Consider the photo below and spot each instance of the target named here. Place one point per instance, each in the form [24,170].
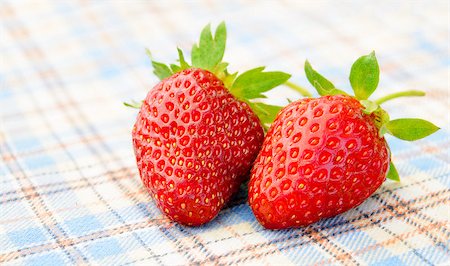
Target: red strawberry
[195,137]
[321,157]
[194,144]
[324,156]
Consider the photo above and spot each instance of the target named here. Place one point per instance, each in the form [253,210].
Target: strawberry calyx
[364,78]
[248,87]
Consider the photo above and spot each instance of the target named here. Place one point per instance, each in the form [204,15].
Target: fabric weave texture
[70,193]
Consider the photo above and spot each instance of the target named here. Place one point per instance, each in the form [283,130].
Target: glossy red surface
[194,144]
[321,157]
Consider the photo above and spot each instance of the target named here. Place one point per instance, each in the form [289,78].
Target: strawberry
[198,130]
[324,156]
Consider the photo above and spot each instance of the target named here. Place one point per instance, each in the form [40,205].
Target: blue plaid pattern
[69,188]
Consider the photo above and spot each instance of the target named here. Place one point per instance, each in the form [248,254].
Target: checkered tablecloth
[69,188]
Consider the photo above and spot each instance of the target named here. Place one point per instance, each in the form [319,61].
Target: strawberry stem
[301,90]
[399,94]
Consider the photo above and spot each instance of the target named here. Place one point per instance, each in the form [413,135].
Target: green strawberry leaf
[380,119]
[175,68]
[161,70]
[221,72]
[252,83]
[183,63]
[322,85]
[221,67]
[410,128]
[329,92]
[383,130]
[133,104]
[369,106]
[265,112]
[364,76]
[228,79]
[392,173]
[208,54]
[210,50]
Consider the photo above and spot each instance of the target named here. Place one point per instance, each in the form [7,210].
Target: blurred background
[68,169]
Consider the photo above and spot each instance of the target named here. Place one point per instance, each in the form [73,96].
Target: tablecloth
[70,192]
